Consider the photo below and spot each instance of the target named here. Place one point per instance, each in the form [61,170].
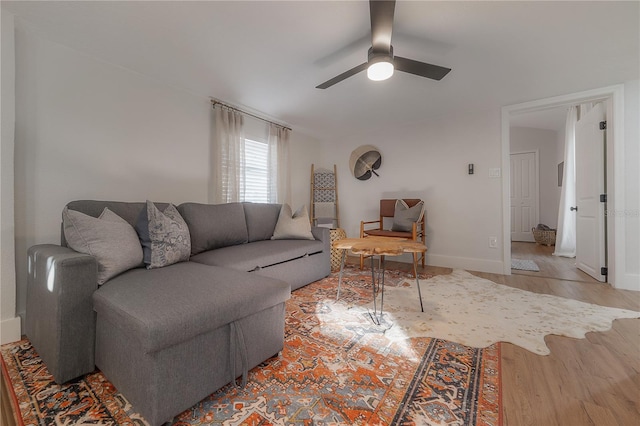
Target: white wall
[304,151]
[89,130]
[9,323]
[428,160]
[543,141]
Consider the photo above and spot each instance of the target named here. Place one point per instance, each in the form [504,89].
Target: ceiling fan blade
[381,24]
[343,76]
[422,69]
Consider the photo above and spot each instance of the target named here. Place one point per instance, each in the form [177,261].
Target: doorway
[537,146]
[612,96]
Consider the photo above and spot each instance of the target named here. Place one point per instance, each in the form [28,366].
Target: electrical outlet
[493,242]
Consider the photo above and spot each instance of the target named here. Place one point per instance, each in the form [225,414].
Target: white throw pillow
[293,226]
[109,238]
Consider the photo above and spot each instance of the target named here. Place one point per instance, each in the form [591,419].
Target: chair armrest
[60,321]
[363,223]
[321,233]
[417,230]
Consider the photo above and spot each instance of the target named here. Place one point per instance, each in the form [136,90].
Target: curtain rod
[215,102]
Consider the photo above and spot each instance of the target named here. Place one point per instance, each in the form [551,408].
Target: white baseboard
[627,282]
[468,263]
[10,330]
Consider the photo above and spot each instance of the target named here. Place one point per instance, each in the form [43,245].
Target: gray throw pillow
[164,236]
[109,238]
[293,226]
[404,216]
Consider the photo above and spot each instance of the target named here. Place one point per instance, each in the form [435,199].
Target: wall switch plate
[494,172]
[493,242]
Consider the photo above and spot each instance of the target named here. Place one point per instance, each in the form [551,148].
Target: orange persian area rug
[329,373]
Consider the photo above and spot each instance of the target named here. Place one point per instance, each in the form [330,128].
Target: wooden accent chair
[387,210]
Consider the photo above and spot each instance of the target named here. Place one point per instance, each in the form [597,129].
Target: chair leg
[361,262]
[415,262]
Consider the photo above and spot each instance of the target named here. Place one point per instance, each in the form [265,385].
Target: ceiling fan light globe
[379,71]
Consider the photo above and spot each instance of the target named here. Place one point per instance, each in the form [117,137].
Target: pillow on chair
[404,216]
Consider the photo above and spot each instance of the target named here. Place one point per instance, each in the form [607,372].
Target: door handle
[573,208]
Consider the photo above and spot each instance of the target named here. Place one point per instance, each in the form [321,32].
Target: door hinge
[604,271]
[603,198]
[603,125]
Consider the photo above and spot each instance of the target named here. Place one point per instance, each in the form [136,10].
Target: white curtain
[227,162]
[566,234]
[279,168]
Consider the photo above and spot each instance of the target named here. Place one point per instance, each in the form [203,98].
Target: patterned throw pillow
[293,226]
[164,236]
[404,216]
[108,238]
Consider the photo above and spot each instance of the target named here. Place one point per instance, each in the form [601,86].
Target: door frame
[613,96]
[536,157]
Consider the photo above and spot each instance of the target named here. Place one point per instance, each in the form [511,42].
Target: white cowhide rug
[473,311]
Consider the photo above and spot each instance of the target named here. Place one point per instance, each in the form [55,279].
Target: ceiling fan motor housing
[379,56]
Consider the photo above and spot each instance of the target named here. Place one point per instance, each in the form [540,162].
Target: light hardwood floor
[592,381]
[550,266]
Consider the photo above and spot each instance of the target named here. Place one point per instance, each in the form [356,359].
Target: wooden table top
[380,246]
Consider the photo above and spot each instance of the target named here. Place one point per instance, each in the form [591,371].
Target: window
[250,162]
[256,171]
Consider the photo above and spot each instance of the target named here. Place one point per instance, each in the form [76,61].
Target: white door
[524,196]
[590,184]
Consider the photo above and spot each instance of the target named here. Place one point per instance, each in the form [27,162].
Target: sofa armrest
[60,321]
[322,234]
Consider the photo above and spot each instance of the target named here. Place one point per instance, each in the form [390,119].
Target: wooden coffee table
[381,247]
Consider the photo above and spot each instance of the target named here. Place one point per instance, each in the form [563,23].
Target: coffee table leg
[377,285]
[415,272]
[373,288]
[344,253]
[381,270]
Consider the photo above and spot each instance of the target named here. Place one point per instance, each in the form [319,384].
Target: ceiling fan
[381,61]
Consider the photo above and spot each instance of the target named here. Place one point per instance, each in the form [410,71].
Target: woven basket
[336,254]
[547,238]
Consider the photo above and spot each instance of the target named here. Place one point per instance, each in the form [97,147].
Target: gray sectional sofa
[168,337]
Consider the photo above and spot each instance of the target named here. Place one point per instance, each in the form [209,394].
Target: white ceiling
[269,56]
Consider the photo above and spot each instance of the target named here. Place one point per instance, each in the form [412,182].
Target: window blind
[256,171]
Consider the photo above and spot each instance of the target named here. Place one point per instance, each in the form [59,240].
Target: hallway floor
[562,268]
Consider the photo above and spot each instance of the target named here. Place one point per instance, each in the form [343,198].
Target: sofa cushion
[214,225]
[259,254]
[167,306]
[261,220]
[164,236]
[109,238]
